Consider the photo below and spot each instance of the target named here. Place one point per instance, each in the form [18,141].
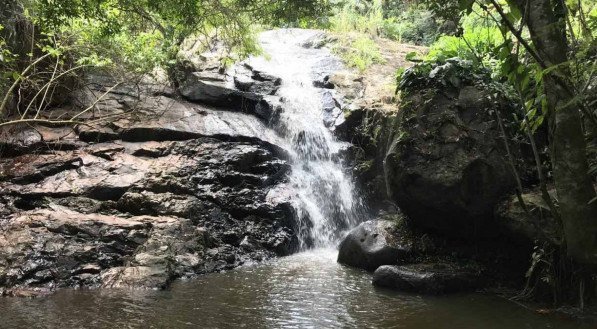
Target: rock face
[177,190]
[436,278]
[169,187]
[440,158]
[241,87]
[375,243]
[446,168]
[536,225]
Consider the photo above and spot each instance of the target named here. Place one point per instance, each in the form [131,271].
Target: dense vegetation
[542,54]
[45,45]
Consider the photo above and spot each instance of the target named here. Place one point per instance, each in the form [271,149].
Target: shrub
[396,20]
[362,53]
[415,25]
[478,42]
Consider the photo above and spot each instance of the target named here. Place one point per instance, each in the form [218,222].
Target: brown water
[308,290]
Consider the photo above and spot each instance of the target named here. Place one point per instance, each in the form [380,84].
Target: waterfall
[326,202]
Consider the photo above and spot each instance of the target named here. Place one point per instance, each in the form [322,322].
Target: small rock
[246,244]
[374,243]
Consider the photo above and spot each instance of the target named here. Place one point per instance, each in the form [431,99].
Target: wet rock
[445,166]
[436,278]
[49,248]
[19,140]
[250,80]
[375,243]
[136,277]
[140,214]
[147,202]
[324,83]
[169,252]
[536,225]
[198,87]
[349,83]
[268,109]
[240,88]
[165,189]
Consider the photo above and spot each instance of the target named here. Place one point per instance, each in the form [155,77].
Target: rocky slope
[192,191]
[177,183]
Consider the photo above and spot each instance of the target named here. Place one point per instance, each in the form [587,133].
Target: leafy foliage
[415,24]
[362,53]
[66,38]
[395,20]
[149,32]
[452,73]
[480,37]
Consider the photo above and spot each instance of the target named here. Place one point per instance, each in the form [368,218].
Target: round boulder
[375,243]
[446,166]
[433,279]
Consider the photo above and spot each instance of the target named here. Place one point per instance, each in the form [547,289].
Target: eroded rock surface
[139,214]
[166,189]
[176,183]
[446,168]
[441,158]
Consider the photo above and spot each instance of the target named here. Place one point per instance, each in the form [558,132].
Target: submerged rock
[437,278]
[375,243]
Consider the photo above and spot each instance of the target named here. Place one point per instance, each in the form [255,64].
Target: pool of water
[307,290]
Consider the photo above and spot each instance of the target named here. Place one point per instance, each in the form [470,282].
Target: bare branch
[16,83]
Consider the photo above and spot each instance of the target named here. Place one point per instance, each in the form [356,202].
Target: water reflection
[308,290]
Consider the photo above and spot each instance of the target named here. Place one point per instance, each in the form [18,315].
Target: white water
[326,200]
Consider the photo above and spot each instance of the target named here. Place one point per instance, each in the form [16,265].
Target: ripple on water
[308,290]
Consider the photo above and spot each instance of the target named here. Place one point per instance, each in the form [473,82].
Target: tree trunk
[567,143]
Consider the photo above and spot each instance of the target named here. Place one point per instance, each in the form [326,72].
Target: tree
[547,27]
[546,21]
[66,38]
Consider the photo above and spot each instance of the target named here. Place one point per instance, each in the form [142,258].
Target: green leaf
[412,57]
[524,85]
[466,5]
[515,13]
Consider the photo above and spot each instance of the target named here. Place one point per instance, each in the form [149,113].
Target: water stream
[326,201]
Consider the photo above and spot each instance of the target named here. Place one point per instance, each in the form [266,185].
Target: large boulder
[205,80]
[435,278]
[440,157]
[446,166]
[218,90]
[376,243]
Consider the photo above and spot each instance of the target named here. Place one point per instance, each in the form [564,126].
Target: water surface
[307,290]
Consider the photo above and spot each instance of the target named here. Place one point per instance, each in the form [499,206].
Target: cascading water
[326,203]
[305,290]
